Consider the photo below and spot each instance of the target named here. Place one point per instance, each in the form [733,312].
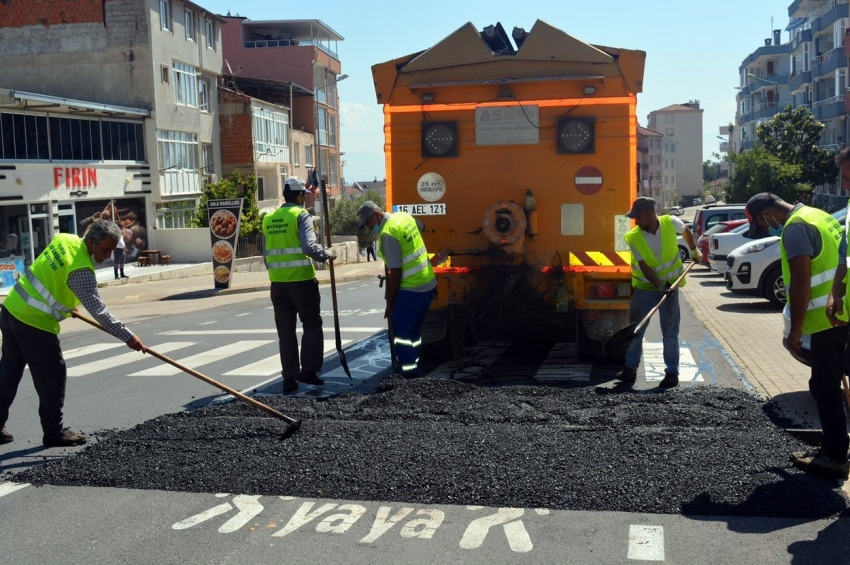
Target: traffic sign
[588,180]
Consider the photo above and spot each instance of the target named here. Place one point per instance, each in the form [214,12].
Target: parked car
[756,268]
[721,244]
[677,211]
[718,228]
[711,215]
[684,250]
[709,200]
[697,201]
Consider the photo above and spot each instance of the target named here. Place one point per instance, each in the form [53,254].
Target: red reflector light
[610,290]
[716,245]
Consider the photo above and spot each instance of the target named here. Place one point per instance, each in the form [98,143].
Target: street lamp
[318,167]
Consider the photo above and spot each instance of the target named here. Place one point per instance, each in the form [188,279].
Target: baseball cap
[294,184]
[642,204]
[755,206]
[365,212]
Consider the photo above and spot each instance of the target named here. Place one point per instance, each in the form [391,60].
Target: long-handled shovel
[294,425]
[390,332]
[623,337]
[327,226]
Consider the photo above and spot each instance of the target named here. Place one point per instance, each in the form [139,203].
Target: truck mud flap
[595,329]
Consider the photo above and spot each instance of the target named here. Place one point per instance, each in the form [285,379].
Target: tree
[758,170]
[709,173]
[344,219]
[234,186]
[792,136]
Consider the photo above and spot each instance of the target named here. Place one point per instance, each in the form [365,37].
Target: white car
[709,200]
[677,211]
[721,244]
[756,268]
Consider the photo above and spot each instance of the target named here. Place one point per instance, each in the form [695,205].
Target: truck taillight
[714,244]
[610,290]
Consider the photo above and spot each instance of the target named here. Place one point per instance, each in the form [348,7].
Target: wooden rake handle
[196,374]
[663,298]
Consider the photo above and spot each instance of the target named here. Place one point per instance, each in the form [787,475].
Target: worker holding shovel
[60,279]
[656,270]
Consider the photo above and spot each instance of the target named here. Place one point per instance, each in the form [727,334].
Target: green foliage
[234,186]
[344,219]
[760,171]
[708,171]
[792,136]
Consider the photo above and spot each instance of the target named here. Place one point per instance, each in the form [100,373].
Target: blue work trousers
[642,302]
[409,312]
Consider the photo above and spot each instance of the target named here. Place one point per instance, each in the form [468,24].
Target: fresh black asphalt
[700,451]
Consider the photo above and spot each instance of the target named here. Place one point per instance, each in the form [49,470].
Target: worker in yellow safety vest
[809,246]
[656,263]
[290,243]
[61,278]
[410,280]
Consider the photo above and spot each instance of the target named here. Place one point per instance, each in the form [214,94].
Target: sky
[693,49]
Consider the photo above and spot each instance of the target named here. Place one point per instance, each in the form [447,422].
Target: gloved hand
[696,256]
[665,289]
[331,254]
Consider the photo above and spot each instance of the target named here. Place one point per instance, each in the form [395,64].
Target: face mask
[377,229]
[93,260]
[775,231]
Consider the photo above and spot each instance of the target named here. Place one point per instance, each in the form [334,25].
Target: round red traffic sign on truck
[588,180]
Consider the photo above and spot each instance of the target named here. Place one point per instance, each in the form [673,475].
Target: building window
[308,155]
[175,214]
[669,118]
[207,165]
[331,89]
[51,138]
[165,14]
[322,125]
[332,130]
[189,20]
[210,33]
[296,153]
[178,150]
[185,84]
[669,132]
[271,135]
[261,188]
[334,170]
[204,95]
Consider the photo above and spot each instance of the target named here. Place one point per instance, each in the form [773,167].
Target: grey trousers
[301,299]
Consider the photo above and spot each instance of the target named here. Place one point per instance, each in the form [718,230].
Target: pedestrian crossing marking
[474,363]
[89,349]
[562,364]
[259,331]
[130,357]
[654,366]
[271,365]
[204,358]
[10,487]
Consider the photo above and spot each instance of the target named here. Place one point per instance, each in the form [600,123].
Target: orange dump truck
[520,158]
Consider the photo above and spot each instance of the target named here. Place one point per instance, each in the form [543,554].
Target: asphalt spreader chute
[294,425]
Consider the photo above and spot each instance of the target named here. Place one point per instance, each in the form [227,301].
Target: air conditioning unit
[211,178]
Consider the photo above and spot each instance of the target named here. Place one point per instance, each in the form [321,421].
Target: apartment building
[650,182]
[292,63]
[809,70]
[681,126]
[105,106]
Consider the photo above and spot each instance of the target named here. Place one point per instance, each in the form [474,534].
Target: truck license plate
[436,209]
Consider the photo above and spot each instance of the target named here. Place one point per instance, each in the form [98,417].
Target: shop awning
[11,97]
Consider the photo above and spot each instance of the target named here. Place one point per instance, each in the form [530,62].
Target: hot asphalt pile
[700,451]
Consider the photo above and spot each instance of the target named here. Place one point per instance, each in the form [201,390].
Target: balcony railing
[833,147]
[288,43]
[828,101]
[820,12]
[826,56]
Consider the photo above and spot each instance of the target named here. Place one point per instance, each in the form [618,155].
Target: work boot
[289,386]
[65,438]
[627,375]
[670,380]
[820,464]
[123,276]
[5,436]
[311,378]
[116,274]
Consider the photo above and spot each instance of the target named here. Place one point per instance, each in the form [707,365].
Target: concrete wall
[81,49]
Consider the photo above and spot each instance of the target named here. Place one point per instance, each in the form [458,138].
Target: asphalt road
[105,525]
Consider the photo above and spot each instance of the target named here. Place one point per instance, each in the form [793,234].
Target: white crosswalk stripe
[259,332]
[111,363]
[204,358]
[654,366]
[562,364]
[90,349]
[271,365]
